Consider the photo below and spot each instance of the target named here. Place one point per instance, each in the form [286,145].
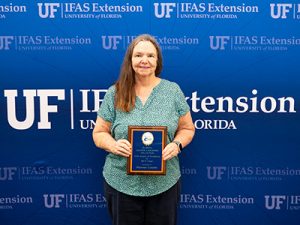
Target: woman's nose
[144,59]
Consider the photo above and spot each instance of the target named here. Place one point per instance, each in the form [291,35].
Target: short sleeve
[181,105]
[107,108]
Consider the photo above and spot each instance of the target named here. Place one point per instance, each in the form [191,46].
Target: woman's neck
[144,88]
[147,82]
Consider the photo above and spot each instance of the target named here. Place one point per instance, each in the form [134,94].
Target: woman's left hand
[170,151]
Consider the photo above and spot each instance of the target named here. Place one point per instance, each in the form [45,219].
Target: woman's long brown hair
[125,92]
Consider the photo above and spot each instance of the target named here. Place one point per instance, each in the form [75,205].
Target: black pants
[159,209]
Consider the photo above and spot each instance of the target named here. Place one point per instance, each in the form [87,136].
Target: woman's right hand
[122,147]
[103,139]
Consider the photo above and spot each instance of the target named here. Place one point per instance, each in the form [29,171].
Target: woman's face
[144,59]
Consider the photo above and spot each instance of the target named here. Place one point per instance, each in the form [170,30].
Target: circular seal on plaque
[147,138]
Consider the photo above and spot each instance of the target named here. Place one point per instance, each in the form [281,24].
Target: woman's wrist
[179,145]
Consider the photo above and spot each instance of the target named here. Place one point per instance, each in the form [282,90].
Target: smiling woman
[143,52]
[141,98]
[144,59]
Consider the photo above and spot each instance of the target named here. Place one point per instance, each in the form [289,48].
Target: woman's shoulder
[170,84]
[110,93]
[111,89]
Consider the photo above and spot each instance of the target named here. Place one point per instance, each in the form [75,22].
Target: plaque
[147,144]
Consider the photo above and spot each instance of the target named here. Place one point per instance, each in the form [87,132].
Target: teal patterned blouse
[165,105]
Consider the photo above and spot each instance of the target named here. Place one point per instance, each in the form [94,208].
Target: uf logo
[111,42]
[45,107]
[282,10]
[55,200]
[5,42]
[6,173]
[219,43]
[49,9]
[274,202]
[215,173]
[166,8]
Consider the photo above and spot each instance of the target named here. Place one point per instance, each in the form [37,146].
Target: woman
[141,98]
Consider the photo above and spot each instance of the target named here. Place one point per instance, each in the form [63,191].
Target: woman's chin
[144,74]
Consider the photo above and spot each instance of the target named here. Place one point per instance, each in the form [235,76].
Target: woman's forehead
[144,46]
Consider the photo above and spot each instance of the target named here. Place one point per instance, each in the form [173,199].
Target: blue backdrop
[237,63]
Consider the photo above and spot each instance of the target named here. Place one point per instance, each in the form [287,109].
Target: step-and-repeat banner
[237,63]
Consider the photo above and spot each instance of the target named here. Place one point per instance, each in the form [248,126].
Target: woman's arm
[103,139]
[186,130]
[184,134]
